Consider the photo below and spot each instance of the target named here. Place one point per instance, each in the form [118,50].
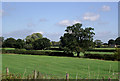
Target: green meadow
[78,68]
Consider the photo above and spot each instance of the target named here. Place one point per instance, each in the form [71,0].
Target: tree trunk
[78,54]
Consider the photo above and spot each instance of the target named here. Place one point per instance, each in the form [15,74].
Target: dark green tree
[77,39]
[9,42]
[98,43]
[41,44]
[31,38]
[117,41]
[19,43]
[111,42]
[1,41]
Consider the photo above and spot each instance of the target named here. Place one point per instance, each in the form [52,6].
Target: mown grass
[58,66]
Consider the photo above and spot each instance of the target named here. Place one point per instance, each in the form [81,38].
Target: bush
[34,52]
[28,47]
[101,56]
[117,54]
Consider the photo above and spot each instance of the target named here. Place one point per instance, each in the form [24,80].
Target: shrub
[34,52]
[117,54]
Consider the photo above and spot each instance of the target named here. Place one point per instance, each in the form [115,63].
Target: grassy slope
[58,66]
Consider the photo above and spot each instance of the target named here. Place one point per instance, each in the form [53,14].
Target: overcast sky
[20,19]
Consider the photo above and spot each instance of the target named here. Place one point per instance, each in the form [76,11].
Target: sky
[20,19]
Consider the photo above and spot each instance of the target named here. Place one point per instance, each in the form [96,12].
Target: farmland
[58,66]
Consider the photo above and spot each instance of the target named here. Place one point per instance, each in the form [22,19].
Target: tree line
[76,39]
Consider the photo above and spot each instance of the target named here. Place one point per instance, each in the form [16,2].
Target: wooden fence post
[67,77]
[7,71]
[35,74]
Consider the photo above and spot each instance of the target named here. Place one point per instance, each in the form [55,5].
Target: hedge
[102,56]
[101,50]
[34,52]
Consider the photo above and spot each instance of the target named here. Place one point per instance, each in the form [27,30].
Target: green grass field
[58,66]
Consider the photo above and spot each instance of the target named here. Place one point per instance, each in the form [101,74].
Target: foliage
[117,54]
[98,43]
[28,46]
[9,42]
[31,38]
[41,44]
[101,56]
[76,38]
[54,44]
[1,41]
[111,42]
[117,41]
[19,43]
[34,52]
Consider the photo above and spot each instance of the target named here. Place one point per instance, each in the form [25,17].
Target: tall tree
[41,44]
[111,42]
[31,38]
[117,41]
[77,38]
[19,43]
[9,42]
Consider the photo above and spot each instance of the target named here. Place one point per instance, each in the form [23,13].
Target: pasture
[80,68]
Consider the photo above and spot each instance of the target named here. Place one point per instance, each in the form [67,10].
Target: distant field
[99,52]
[104,48]
[8,48]
[58,66]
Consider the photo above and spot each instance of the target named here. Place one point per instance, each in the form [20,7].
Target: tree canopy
[77,38]
[117,41]
[41,44]
[9,42]
[31,38]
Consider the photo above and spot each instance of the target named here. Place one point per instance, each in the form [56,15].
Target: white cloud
[105,36]
[64,23]
[31,24]
[105,8]
[76,21]
[39,32]
[18,33]
[91,16]
[68,22]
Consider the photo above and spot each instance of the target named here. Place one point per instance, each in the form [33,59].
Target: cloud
[39,32]
[31,24]
[43,20]
[102,23]
[18,33]
[105,8]
[64,23]
[55,36]
[91,16]
[105,36]
[68,22]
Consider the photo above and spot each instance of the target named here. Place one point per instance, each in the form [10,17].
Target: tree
[1,41]
[117,41]
[98,43]
[76,38]
[111,42]
[31,38]
[19,43]
[41,44]
[28,46]
[9,42]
